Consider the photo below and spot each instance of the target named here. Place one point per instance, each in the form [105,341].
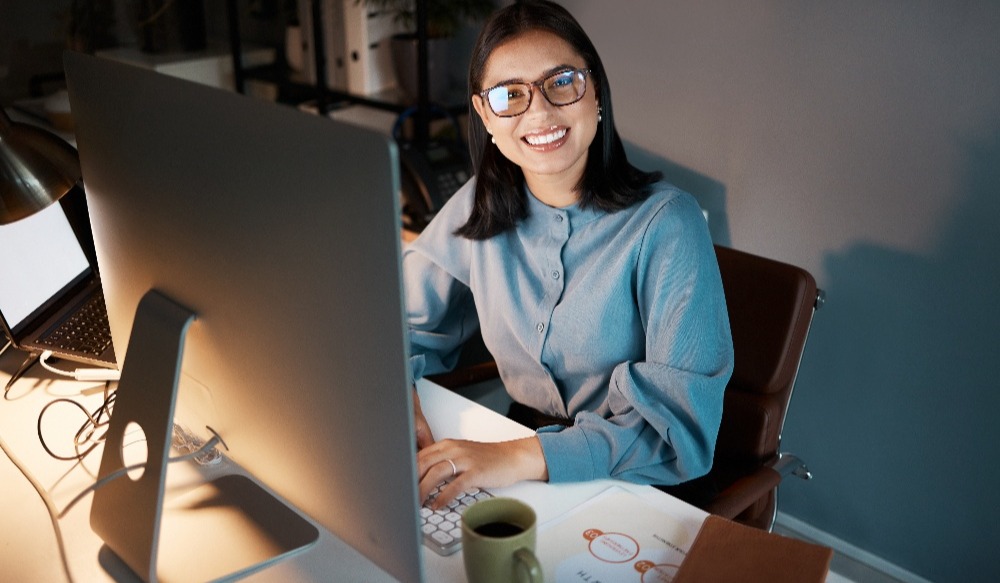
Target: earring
[599,117]
[493,138]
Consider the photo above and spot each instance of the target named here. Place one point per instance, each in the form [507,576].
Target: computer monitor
[279,231]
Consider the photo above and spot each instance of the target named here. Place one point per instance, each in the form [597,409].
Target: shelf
[294,90]
[286,81]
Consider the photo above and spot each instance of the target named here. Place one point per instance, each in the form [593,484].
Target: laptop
[51,297]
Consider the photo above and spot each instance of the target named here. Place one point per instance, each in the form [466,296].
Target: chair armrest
[748,489]
[788,464]
[743,492]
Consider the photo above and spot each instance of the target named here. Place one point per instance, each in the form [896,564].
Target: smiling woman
[549,140]
[593,284]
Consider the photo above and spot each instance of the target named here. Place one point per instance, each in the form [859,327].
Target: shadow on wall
[710,193]
[905,376]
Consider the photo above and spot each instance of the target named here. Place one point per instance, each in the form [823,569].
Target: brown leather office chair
[770,305]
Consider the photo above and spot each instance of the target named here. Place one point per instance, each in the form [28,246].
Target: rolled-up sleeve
[440,313]
[440,309]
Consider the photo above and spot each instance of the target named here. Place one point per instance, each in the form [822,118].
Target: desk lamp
[36,169]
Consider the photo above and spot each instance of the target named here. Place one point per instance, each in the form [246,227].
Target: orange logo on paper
[611,547]
[653,573]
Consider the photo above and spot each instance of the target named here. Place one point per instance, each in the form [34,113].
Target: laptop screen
[39,257]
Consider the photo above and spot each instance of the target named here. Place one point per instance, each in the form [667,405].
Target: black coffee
[498,529]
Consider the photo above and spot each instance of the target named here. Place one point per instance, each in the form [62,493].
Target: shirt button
[555,275]
[559,218]
[540,327]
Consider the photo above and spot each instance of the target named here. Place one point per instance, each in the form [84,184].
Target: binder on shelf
[369,53]
[334,41]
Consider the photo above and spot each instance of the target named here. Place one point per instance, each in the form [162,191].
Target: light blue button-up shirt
[615,320]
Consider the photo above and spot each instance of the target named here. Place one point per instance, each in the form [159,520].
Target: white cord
[189,443]
[209,445]
[50,506]
[81,374]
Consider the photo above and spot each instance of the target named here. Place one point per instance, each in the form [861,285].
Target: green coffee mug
[498,542]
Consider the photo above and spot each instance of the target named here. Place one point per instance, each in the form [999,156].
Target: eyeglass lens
[562,88]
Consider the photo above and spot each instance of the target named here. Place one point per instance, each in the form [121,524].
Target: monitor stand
[228,527]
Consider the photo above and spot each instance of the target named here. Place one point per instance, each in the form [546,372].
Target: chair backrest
[770,305]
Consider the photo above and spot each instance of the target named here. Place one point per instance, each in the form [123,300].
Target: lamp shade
[36,169]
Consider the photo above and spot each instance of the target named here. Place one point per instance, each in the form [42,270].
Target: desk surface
[28,547]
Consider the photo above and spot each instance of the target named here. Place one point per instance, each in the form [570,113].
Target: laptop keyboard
[86,331]
[443,528]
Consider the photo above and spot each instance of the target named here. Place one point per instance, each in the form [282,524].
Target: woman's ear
[480,106]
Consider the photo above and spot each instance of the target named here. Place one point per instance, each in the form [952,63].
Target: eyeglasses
[559,89]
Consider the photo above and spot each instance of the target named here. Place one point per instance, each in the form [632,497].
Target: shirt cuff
[567,454]
[417,365]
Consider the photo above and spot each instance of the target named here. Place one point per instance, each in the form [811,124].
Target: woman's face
[548,142]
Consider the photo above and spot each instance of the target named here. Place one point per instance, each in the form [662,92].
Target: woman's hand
[478,465]
[422,429]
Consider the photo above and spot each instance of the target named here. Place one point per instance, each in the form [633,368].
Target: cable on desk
[80,374]
[55,515]
[96,420]
[187,442]
[87,434]
[27,364]
[209,445]
[50,506]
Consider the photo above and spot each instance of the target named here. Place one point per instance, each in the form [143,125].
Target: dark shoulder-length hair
[609,181]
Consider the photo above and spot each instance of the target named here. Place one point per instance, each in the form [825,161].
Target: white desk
[28,550]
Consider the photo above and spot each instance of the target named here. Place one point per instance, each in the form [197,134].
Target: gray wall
[861,140]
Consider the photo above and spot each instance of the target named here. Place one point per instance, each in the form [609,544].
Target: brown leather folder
[727,552]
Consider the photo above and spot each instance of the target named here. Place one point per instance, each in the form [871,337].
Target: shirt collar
[577,215]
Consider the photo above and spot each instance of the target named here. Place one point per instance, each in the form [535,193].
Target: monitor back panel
[281,231]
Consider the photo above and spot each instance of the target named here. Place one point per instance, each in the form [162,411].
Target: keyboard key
[86,331]
[442,528]
[442,538]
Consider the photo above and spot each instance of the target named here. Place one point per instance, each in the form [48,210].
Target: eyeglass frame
[484,94]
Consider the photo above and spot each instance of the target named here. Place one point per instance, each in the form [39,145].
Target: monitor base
[225,528]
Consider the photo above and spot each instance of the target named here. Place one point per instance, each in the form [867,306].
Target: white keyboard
[443,528]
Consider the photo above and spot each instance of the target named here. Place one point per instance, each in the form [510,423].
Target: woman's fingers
[434,475]
[471,464]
